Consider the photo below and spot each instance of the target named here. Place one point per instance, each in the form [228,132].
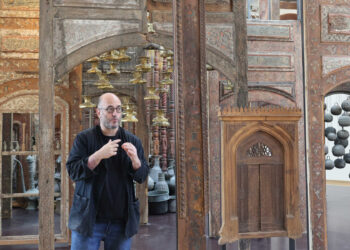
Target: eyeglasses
[111,109]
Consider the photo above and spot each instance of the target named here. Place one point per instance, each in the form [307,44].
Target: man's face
[110,113]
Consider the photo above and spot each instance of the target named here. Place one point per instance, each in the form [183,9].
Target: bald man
[103,162]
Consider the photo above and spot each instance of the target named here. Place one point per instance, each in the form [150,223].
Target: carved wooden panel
[327,40]
[120,4]
[67,39]
[259,166]
[333,63]
[335,23]
[260,184]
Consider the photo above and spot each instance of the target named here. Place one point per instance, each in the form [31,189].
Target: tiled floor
[160,232]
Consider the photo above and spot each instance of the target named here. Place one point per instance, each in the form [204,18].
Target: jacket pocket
[133,222]
[78,212]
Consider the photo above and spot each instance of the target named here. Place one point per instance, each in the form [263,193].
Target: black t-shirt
[112,206]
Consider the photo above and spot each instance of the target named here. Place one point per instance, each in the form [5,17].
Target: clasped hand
[111,148]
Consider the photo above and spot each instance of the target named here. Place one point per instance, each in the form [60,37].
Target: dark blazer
[88,184]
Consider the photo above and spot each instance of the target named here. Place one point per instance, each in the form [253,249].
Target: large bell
[345,105]
[87,103]
[343,134]
[160,120]
[328,117]
[338,150]
[339,163]
[152,95]
[329,163]
[336,109]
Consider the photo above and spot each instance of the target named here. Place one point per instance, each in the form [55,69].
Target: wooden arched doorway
[260,184]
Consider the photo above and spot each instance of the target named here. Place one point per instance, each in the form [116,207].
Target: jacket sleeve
[77,160]
[140,174]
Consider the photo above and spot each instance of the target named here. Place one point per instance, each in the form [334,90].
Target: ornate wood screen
[260,196]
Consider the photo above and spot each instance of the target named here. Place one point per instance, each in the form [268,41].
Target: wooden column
[172,120]
[155,107]
[275,10]
[163,130]
[142,133]
[191,91]
[46,128]
[240,19]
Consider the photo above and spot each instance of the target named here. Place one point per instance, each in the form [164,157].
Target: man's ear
[98,112]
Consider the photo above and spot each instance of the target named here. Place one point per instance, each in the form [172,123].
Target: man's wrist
[136,164]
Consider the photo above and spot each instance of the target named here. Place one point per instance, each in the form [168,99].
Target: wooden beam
[191,91]
[240,22]
[288,5]
[46,128]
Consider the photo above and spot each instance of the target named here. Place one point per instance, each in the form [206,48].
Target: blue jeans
[111,233]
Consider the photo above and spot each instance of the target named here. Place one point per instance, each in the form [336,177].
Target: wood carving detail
[28,102]
[120,4]
[335,23]
[221,38]
[259,150]
[67,40]
[332,63]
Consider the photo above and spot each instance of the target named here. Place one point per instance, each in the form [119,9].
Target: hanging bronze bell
[344,121]
[94,68]
[338,150]
[343,142]
[343,134]
[347,157]
[113,70]
[345,105]
[329,163]
[152,95]
[329,130]
[328,117]
[87,103]
[145,65]
[339,163]
[160,120]
[122,56]
[336,109]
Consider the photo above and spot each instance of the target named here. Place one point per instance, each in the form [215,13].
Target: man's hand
[108,150]
[131,151]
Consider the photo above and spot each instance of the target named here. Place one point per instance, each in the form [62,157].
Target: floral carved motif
[259,150]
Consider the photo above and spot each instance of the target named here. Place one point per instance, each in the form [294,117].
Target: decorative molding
[20,4]
[17,23]
[269,31]
[12,76]
[259,113]
[333,63]
[178,74]
[20,65]
[120,4]
[271,62]
[339,23]
[204,97]
[220,37]
[335,23]
[23,103]
[68,40]
[20,44]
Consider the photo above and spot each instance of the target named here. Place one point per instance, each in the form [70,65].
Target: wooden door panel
[271,197]
[248,198]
